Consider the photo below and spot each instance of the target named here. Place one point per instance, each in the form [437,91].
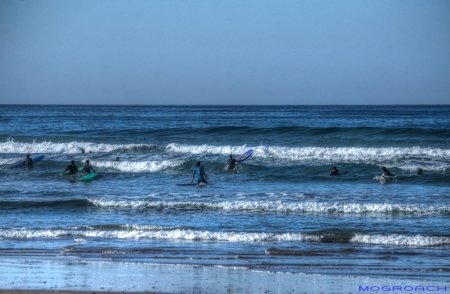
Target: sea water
[278,211]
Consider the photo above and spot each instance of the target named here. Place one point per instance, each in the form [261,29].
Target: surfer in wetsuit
[201,175]
[87,168]
[386,172]
[419,171]
[72,168]
[231,163]
[334,172]
[28,161]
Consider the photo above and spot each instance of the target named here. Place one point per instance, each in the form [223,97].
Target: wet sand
[44,276]
[59,292]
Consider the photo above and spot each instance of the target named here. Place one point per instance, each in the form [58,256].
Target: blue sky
[225,52]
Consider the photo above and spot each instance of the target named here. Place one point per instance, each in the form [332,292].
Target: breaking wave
[279,206]
[11,146]
[174,233]
[320,154]
[142,166]
[401,240]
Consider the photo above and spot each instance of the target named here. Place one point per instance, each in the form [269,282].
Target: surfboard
[37,158]
[67,172]
[245,156]
[386,178]
[200,184]
[89,177]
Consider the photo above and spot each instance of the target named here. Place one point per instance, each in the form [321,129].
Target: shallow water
[279,211]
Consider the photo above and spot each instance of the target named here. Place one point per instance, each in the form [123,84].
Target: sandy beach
[42,276]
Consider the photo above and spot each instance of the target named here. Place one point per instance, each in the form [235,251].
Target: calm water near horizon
[279,211]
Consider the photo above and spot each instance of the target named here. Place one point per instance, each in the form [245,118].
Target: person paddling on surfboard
[335,172]
[28,161]
[72,168]
[87,168]
[201,175]
[386,172]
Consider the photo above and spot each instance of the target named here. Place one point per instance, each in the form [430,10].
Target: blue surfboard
[37,158]
[245,156]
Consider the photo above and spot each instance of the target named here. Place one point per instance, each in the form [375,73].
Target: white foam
[9,161]
[206,149]
[319,154]
[198,235]
[140,166]
[279,206]
[11,146]
[177,234]
[401,240]
[146,227]
[427,166]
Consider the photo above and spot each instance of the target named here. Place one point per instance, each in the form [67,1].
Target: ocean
[279,211]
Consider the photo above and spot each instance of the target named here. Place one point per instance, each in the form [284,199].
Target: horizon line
[220,105]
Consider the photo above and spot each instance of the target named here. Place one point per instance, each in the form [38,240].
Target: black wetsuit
[88,169]
[334,172]
[28,161]
[73,169]
[231,163]
[387,173]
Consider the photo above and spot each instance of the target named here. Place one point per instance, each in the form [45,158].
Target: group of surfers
[87,168]
[199,172]
[231,164]
[386,172]
[72,168]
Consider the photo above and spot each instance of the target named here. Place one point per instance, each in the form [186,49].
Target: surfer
[335,172]
[201,175]
[386,172]
[28,161]
[82,151]
[72,168]
[87,168]
[419,171]
[231,163]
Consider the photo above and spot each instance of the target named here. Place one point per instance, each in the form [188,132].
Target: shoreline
[26,276]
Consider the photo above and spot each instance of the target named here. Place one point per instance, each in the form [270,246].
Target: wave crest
[319,154]
[11,146]
[174,233]
[401,240]
[279,206]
